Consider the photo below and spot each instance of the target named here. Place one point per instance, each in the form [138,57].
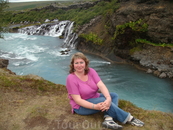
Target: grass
[28,5]
[43,105]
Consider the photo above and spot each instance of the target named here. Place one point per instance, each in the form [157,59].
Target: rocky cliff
[157,14]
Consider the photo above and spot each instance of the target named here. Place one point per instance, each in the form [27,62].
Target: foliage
[93,38]
[79,15]
[153,44]
[3,6]
[138,26]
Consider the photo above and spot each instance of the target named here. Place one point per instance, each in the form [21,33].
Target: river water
[40,55]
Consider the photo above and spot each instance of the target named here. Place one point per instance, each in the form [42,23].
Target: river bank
[30,102]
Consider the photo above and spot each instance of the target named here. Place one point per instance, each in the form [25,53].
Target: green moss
[93,38]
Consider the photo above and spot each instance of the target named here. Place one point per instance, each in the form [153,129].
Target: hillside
[31,103]
[139,33]
[27,5]
[19,6]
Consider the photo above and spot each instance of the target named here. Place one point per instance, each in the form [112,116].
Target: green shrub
[138,26]
[93,38]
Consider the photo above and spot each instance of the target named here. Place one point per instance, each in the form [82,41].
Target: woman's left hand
[106,105]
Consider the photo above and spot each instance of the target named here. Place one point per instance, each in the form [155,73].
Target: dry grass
[32,103]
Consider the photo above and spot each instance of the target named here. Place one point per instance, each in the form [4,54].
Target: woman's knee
[114,95]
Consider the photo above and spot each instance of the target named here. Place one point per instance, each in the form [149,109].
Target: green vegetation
[3,6]
[27,5]
[93,38]
[18,83]
[79,15]
[153,44]
[137,26]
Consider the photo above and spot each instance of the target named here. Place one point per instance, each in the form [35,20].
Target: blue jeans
[114,111]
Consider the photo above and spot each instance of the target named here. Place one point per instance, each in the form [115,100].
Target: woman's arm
[103,89]
[86,104]
[105,92]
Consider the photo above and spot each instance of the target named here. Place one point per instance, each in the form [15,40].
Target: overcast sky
[35,0]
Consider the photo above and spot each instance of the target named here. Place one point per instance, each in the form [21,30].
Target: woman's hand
[106,104]
[103,106]
[100,106]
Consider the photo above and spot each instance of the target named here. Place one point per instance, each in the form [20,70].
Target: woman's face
[79,65]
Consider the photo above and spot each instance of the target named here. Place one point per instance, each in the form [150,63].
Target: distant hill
[29,5]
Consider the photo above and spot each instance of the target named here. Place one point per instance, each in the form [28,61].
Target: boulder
[149,71]
[4,63]
[162,75]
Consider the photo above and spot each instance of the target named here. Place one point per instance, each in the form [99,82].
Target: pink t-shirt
[86,89]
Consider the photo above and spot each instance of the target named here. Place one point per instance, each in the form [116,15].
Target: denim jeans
[114,111]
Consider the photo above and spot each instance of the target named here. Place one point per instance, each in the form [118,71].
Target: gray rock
[157,73]
[171,61]
[162,75]
[149,71]
[3,63]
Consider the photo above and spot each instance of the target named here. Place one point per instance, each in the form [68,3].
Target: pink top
[86,89]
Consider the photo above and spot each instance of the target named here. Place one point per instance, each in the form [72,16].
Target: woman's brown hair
[79,55]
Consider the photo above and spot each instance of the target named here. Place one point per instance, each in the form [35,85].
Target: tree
[3,6]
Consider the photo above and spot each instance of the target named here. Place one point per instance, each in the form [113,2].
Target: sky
[33,0]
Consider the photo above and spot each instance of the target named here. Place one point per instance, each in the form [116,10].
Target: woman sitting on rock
[83,84]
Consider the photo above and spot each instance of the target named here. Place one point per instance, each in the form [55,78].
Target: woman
[83,84]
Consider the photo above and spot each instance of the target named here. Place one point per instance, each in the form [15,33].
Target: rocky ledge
[158,60]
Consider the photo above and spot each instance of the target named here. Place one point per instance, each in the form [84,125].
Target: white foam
[18,35]
[100,62]
[31,57]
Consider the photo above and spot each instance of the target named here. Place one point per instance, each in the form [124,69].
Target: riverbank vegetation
[91,37]
[153,44]
[138,28]
[30,102]
[79,15]
[3,6]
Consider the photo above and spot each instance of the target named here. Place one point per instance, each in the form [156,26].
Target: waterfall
[70,37]
[60,28]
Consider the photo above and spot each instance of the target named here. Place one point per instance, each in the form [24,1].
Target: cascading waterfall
[71,37]
[61,28]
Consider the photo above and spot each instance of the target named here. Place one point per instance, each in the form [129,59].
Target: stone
[157,73]
[170,74]
[171,61]
[162,75]
[4,63]
[149,71]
